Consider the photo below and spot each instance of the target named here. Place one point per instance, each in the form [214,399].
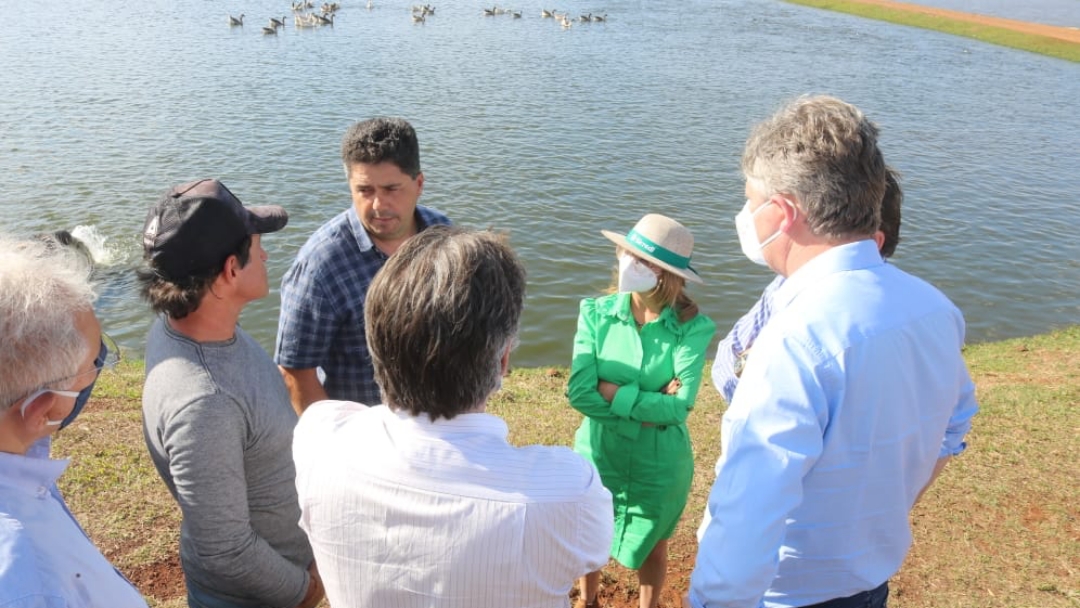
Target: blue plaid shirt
[736,345]
[322,305]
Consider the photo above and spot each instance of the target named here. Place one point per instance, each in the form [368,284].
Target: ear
[790,207]
[232,269]
[879,238]
[36,414]
[420,182]
[505,361]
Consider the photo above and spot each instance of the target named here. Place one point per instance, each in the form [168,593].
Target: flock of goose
[305,16]
[302,18]
[564,19]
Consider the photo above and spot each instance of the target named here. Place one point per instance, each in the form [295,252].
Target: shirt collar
[358,231]
[618,307]
[29,473]
[850,256]
[462,424]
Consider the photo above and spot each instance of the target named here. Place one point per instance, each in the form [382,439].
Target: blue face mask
[84,394]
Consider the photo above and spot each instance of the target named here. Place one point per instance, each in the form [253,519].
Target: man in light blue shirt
[855,393]
[48,362]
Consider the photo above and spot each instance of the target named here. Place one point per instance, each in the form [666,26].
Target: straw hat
[662,241]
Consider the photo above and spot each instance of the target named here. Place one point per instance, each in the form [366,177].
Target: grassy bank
[1062,49]
[1001,529]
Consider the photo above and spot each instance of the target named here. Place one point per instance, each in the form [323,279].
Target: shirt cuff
[948,451]
[623,403]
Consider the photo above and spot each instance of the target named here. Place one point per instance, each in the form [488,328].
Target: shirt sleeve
[595,526]
[689,362]
[960,420]
[584,377]
[772,436]
[205,442]
[308,319]
[740,339]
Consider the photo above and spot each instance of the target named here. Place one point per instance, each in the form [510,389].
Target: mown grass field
[993,31]
[1000,529]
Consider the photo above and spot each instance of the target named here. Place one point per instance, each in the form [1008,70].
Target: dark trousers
[875,598]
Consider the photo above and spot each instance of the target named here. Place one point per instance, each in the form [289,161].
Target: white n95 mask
[748,240]
[634,275]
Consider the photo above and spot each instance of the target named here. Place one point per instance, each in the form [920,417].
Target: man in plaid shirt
[322,295]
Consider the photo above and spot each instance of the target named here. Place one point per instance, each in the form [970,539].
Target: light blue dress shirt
[46,560]
[851,393]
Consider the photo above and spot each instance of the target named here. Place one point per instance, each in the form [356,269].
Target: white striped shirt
[403,512]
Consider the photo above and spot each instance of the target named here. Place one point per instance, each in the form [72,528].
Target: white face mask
[748,240]
[634,275]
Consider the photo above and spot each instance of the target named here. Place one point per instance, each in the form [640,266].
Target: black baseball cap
[196,225]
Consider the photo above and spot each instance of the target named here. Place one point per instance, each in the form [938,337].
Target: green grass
[1000,529]
[1052,47]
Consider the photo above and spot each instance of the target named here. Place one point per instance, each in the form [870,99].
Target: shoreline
[1051,40]
[1067,34]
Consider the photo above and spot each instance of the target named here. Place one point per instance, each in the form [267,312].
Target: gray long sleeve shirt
[218,424]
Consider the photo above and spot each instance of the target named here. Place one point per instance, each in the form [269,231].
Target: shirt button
[42,491]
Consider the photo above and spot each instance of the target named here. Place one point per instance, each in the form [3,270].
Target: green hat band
[664,255]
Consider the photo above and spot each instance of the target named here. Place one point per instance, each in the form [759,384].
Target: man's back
[854,382]
[405,512]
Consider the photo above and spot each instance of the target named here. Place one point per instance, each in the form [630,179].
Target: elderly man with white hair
[52,342]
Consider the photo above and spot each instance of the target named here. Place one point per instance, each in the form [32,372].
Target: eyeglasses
[108,356]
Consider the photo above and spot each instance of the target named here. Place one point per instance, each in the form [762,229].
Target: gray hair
[439,316]
[41,292]
[824,151]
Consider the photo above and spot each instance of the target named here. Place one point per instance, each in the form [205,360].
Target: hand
[672,387]
[315,591]
[607,390]
[686,600]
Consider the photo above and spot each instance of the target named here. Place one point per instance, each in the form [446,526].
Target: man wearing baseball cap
[216,414]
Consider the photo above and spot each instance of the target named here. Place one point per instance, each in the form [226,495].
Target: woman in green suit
[638,359]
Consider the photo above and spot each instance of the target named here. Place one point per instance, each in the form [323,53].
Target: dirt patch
[161,580]
[1068,34]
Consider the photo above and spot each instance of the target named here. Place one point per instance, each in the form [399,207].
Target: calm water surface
[548,134]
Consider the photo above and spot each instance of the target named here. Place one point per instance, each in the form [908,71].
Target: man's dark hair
[890,212]
[179,298]
[379,140]
[439,316]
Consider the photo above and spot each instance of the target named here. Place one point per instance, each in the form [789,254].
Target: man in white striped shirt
[422,502]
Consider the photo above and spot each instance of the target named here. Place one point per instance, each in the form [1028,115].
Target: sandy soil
[1068,34]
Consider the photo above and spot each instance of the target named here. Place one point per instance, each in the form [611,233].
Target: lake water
[546,133]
